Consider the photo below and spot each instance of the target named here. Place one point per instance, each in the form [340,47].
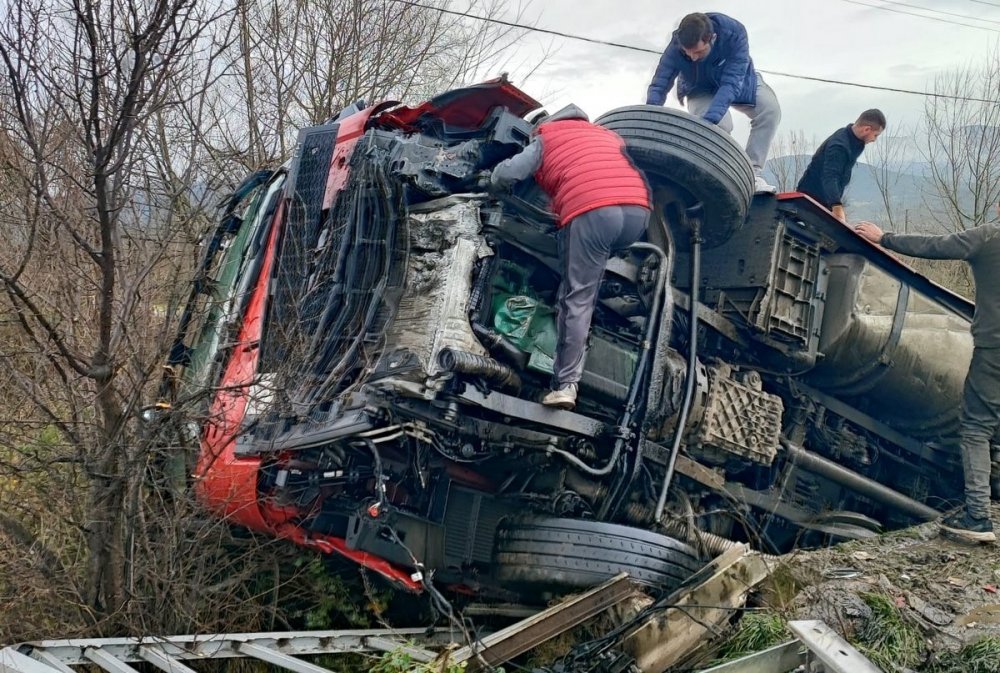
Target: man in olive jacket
[980,247]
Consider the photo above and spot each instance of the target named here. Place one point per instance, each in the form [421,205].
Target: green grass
[758,631]
[401,662]
[982,656]
[887,639]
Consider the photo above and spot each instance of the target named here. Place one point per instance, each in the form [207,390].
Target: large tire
[552,554]
[692,160]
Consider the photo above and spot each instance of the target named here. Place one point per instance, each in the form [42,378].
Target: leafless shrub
[122,124]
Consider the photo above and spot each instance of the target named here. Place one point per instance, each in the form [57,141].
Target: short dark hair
[693,29]
[871,117]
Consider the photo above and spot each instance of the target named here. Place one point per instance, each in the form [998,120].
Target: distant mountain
[908,188]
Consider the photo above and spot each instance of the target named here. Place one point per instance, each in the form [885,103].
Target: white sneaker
[762,186]
[564,398]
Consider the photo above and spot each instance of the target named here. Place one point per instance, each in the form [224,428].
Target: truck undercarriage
[374,335]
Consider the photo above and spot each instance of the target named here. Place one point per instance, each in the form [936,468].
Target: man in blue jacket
[710,55]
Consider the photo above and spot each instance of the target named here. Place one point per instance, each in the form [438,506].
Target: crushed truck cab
[370,335]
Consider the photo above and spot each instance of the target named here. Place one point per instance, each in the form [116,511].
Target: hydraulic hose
[500,346]
[462,362]
[649,337]
[694,220]
[579,464]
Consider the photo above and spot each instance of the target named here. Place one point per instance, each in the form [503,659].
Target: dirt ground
[943,590]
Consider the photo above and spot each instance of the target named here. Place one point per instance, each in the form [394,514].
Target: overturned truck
[372,334]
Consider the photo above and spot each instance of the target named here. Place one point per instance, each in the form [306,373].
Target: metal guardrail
[817,647]
[172,654]
[169,654]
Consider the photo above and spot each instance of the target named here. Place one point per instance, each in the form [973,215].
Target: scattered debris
[907,600]
[695,615]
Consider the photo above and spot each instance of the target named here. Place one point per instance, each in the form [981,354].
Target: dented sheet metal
[445,245]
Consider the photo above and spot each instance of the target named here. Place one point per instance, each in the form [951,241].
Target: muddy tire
[690,159]
[551,554]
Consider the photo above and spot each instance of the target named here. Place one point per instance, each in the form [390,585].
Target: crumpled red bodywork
[226,483]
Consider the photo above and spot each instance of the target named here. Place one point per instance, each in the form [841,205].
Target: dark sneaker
[965,527]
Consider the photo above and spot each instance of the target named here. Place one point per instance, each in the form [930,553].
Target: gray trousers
[585,244]
[980,422]
[764,118]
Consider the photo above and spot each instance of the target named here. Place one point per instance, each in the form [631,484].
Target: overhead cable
[647,50]
[885,8]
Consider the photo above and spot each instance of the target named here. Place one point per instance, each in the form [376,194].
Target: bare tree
[961,145]
[121,124]
[88,83]
[296,64]
[886,160]
[959,141]
[790,154]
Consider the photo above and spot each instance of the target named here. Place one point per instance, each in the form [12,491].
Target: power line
[646,50]
[936,11]
[984,2]
[923,16]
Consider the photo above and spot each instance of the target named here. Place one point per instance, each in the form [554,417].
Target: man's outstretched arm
[959,245]
[834,164]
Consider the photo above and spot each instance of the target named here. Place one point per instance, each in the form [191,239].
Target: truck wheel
[547,553]
[689,160]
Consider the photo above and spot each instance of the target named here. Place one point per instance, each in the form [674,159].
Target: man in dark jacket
[709,56]
[828,173]
[980,247]
[602,204]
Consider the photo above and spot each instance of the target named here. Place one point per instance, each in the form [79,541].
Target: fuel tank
[890,351]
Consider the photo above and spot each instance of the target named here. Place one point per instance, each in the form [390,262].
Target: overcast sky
[832,39]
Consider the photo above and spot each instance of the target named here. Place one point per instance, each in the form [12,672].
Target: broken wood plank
[518,638]
[696,613]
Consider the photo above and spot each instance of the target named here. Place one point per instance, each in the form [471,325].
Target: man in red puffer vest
[602,204]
